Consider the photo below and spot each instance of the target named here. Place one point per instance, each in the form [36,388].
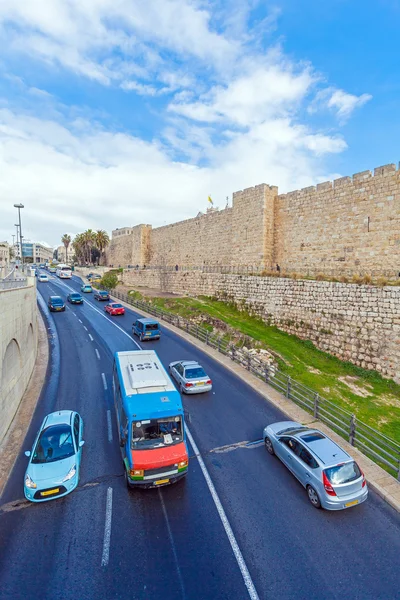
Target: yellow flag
[210,200]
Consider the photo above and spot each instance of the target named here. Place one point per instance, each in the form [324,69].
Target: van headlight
[71,473]
[30,483]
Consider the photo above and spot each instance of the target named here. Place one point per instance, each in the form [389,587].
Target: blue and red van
[150,417]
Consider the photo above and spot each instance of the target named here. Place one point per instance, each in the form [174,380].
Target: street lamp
[18,247]
[19,206]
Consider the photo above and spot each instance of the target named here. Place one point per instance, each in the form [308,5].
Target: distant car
[101,295]
[75,298]
[115,309]
[190,376]
[56,303]
[52,269]
[55,459]
[146,329]
[86,289]
[43,278]
[93,277]
[333,480]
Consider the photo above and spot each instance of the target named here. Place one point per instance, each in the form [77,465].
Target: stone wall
[360,324]
[350,225]
[18,347]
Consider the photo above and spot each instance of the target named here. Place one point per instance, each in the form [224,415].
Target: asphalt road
[253,535]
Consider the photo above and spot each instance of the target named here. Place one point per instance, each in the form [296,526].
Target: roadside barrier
[383,450]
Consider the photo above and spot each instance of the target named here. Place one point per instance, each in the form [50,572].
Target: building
[345,227]
[61,253]
[4,258]
[35,252]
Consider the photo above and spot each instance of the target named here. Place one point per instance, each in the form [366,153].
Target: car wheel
[141,338]
[313,497]
[181,389]
[128,485]
[268,446]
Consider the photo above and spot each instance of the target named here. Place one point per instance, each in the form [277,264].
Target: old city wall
[18,348]
[130,246]
[360,324]
[347,226]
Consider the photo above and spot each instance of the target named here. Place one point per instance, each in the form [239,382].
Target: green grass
[296,357]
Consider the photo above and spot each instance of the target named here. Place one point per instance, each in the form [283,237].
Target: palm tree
[89,238]
[102,240]
[66,240]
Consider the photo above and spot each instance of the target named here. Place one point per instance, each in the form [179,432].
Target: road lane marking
[107,530]
[91,339]
[104,380]
[104,317]
[84,327]
[228,529]
[109,426]
[171,539]
[97,353]
[78,319]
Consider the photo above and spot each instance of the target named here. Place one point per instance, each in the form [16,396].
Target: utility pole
[18,248]
[19,206]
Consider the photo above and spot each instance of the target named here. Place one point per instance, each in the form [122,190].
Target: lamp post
[19,206]
[18,250]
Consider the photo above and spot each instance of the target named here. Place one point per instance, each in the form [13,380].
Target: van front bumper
[153,483]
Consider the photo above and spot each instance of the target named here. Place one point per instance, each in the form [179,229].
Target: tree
[109,280]
[66,240]
[101,241]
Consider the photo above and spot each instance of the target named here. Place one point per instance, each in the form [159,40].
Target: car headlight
[71,473]
[30,483]
[183,464]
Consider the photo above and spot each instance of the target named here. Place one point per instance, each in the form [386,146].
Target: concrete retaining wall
[18,347]
[358,323]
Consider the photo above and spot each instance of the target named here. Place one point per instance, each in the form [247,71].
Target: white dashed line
[79,321]
[109,426]
[97,353]
[107,530]
[228,529]
[104,380]
[91,339]
[84,327]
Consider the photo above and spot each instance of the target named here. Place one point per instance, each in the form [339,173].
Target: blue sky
[118,113]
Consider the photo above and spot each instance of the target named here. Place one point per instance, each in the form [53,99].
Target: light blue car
[54,463]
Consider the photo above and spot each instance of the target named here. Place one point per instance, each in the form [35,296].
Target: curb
[372,471]
[10,447]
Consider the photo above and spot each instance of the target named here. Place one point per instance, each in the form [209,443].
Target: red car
[115,309]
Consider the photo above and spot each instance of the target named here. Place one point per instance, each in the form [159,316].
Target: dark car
[101,295]
[56,303]
[75,298]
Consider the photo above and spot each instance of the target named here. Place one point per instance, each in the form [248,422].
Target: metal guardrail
[375,445]
[11,284]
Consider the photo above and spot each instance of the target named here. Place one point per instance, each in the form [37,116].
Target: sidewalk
[386,486]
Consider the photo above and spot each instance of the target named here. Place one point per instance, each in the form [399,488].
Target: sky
[120,112]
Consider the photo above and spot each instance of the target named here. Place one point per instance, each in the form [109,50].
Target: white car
[42,278]
[190,376]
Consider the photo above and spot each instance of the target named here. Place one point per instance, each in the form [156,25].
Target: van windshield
[156,433]
[151,326]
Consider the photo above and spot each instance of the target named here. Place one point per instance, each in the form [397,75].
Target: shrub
[382,281]
[367,279]
[321,277]
[357,279]
[294,275]
[109,280]
[344,279]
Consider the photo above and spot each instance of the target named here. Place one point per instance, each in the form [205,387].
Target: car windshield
[57,301]
[75,296]
[103,293]
[343,473]
[151,326]
[156,433]
[116,305]
[291,430]
[55,443]
[195,373]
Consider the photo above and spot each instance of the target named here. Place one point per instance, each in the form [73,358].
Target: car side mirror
[81,443]
[27,453]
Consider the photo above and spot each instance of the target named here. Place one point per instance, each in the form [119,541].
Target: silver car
[333,480]
[190,376]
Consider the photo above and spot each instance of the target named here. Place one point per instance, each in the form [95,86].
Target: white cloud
[339,101]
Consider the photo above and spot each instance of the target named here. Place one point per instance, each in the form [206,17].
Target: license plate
[200,383]
[351,503]
[148,333]
[50,492]
[160,481]
[58,308]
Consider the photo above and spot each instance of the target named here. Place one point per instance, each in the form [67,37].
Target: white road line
[107,530]
[104,380]
[109,426]
[97,353]
[84,327]
[171,539]
[104,317]
[78,319]
[228,530]
[91,339]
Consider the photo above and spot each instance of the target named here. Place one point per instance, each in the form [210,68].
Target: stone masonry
[350,225]
[360,324]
